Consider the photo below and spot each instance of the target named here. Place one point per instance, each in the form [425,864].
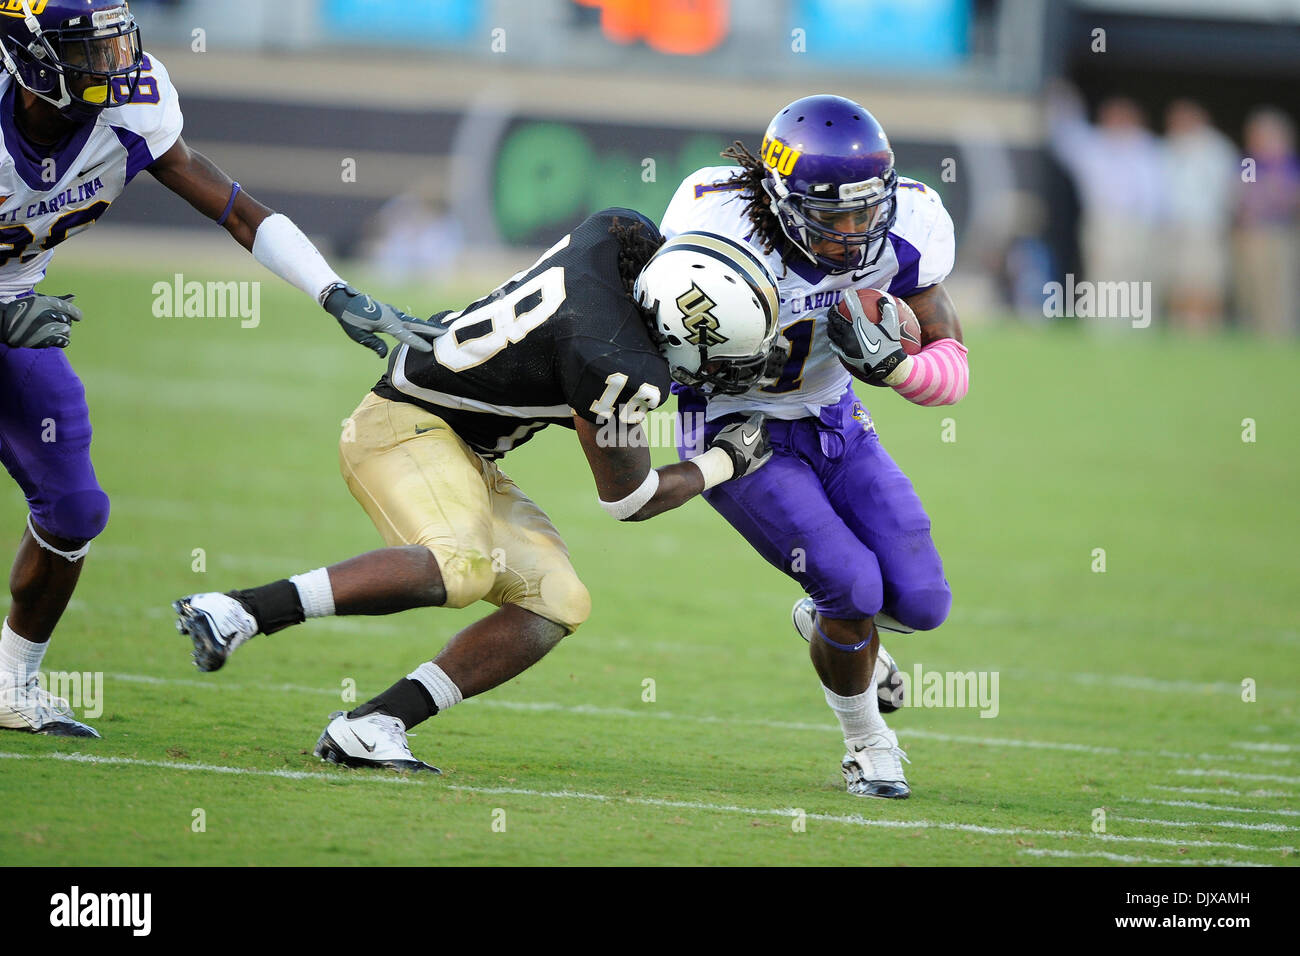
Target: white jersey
[918,252]
[46,199]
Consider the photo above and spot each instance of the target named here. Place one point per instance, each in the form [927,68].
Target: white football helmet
[713,309]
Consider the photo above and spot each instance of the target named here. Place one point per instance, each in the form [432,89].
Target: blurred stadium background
[431,148]
[486,126]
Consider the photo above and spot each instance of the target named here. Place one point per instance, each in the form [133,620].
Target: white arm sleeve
[281,247]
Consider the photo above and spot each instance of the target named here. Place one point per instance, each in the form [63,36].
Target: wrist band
[625,508]
[234,191]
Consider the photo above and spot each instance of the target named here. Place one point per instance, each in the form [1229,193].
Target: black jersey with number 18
[559,339]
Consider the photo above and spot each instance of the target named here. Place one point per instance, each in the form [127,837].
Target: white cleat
[873,768]
[31,708]
[889,682]
[375,740]
[216,623]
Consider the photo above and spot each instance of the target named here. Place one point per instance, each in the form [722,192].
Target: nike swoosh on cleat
[370,748]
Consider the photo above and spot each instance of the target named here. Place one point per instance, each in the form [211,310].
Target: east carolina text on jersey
[561,338]
[45,198]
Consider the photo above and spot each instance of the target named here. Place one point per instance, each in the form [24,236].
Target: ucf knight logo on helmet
[701,323]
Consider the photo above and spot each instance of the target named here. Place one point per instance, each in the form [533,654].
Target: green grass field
[1119,691]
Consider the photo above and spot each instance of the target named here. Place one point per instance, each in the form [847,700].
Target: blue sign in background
[921,34]
[401,21]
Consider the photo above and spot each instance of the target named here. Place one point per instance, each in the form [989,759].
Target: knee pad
[848,596]
[79,516]
[563,599]
[467,576]
[923,608]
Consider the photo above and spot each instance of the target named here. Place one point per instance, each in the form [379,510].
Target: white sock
[440,687]
[859,716]
[19,657]
[315,593]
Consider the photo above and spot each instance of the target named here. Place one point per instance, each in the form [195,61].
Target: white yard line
[1223,791]
[787,813]
[1230,824]
[1196,805]
[658,714]
[1219,772]
[1266,747]
[1123,858]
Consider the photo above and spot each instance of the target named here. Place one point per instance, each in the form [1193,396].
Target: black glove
[873,350]
[746,443]
[361,316]
[38,321]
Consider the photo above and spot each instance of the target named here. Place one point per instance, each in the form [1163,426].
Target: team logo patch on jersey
[14,8]
[862,417]
[701,322]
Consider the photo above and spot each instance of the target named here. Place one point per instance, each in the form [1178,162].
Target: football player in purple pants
[83,110]
[824,204]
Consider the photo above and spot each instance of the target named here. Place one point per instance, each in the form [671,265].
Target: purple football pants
[45,442]
[833,511]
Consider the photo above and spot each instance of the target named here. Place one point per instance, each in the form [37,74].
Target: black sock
[274,606]
[407,700]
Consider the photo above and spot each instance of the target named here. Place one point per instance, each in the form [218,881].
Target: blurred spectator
[1201,173]
[412,237]
[1268,220]
[1117,168]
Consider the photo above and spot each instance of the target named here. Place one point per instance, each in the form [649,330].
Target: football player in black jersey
[587,338]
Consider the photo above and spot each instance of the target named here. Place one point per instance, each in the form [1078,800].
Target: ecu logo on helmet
[779,157]
[702,323]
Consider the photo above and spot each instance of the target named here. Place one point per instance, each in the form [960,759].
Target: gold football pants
[422,485]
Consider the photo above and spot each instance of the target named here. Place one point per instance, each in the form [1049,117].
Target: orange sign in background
[680,27]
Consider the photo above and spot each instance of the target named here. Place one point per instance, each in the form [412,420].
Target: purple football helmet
[80,56]
[829,172]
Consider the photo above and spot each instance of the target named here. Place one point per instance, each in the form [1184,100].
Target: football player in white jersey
[824,204]
[83,110]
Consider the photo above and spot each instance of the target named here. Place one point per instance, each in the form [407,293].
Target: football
[909,327]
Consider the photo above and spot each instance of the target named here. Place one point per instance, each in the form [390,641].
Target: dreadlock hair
[758,209]
[635,248]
